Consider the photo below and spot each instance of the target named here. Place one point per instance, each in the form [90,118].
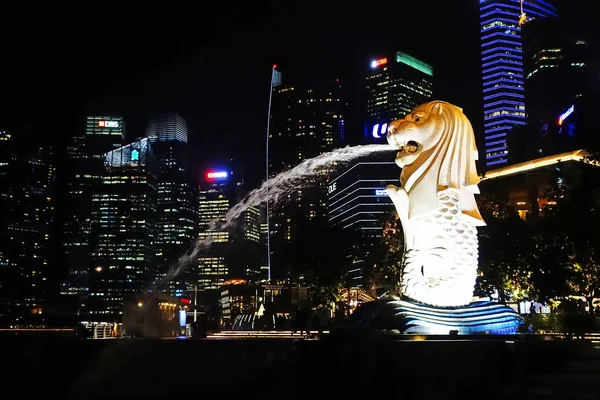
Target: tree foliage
[551,257]
[385,256]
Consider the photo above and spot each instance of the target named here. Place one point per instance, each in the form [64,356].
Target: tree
[568,241]
[503,250]
[386,257]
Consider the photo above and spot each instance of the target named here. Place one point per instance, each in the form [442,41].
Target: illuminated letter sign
[108,124]
[216,175]
[377,63]
[380,192]
[331,188]
[135,155]
[566,114]
[378,132]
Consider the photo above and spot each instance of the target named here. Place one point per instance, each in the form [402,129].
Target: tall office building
[394,85]
[27,184]
[167,127]
[357,200]
[176,223]
[306,121]
[502,64]
[558,86]
[235,252]
[124,230]
[84,171]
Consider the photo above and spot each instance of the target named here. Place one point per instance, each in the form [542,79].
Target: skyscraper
[357,200]
[394,85]
[235,252]
[558,84]
[502,64]
[306,121]
[176,223]
[27,184]
[124,230]
[83,175]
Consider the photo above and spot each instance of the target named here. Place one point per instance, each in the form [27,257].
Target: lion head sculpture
[436,146]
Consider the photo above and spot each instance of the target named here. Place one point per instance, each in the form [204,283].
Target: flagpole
[267,176]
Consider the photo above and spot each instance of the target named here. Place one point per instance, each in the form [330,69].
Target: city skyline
[128,175]
[219,83]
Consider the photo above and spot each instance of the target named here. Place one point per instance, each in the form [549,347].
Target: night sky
[212,63]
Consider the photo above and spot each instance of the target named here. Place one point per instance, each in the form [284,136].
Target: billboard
[378,62]
[376,133]
[214,175]
[108,124]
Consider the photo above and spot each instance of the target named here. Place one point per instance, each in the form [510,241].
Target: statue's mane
[452,159]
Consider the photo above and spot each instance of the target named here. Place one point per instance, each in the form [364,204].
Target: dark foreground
[332,368]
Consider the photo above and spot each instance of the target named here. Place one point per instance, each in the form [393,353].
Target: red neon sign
[381,61]
[185,301]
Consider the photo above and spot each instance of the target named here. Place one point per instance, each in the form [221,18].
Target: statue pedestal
[409,317]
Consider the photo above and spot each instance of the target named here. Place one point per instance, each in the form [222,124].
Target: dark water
[60,367]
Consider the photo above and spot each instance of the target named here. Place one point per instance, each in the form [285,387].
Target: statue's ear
[437,108]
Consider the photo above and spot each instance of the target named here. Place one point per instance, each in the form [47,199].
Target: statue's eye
[417,119]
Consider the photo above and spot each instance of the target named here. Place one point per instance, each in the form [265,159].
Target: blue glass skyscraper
[502,64]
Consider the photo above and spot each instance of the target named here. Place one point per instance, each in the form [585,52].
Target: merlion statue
[436,203]
[436,206]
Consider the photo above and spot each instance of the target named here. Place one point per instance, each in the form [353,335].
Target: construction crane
[522,16]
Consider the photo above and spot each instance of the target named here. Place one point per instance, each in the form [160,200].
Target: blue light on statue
[135,155]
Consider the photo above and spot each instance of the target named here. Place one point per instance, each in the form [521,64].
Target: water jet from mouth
[276,189]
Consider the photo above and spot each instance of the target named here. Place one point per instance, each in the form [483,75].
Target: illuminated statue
[436,203]
[436,206]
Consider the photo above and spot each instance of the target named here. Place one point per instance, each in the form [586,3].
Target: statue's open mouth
[409,147]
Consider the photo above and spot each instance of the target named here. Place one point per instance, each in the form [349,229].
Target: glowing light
[377,133]
[235,282]
[216,175]
[274,66]
[182,318]
[565,115]
[577,155]
[377,63]
[108,124]
[332,188]
[135,155]
[185,301]
[414,63]
[380,192]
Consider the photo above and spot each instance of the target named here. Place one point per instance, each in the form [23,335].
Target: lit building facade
[83,174]
[216,195]
[558,85]
[306,121]
[27,214]
[167,127]
[394,85]
[503,75]
[357,200]
[236,251]
[124,230]
[176,223]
